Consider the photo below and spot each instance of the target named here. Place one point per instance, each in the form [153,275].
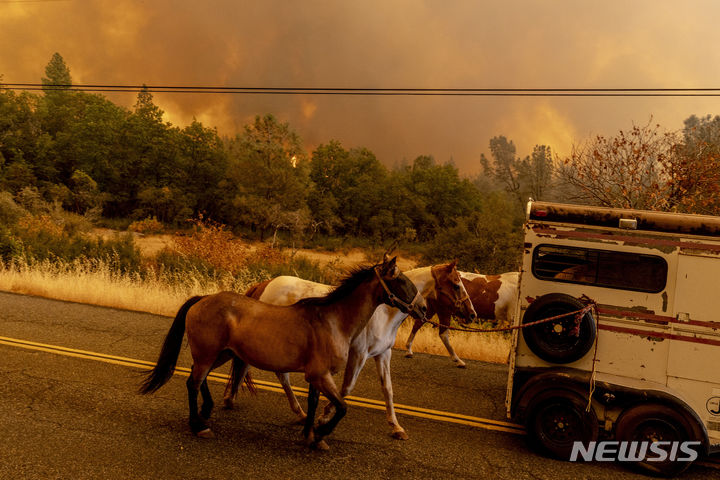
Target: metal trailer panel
[667,340]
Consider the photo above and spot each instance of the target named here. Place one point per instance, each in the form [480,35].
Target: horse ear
[389,266]
[386,258]
[452,264]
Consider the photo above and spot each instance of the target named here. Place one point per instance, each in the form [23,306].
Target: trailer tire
[656,422]
[553,341]
[556,419]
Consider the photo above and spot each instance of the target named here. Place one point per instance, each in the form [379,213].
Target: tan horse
[440,285]
[311,336]
[493,297]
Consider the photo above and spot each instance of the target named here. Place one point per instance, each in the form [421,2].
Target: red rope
[579,314]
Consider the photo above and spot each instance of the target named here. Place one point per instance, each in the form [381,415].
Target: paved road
[68,417]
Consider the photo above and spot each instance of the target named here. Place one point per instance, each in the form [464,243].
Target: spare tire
[555,341]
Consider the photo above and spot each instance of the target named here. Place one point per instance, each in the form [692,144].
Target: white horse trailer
[643,365]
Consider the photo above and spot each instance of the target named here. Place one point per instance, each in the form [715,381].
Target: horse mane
[347,285]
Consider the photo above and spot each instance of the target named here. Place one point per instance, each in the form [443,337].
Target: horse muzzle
[419,313]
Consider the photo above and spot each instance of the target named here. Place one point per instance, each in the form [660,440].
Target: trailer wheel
[554,341]
[656,423]
[556,419]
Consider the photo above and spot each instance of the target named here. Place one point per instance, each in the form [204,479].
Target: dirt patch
[149,245]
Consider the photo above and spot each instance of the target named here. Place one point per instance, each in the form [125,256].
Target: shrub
[42,238]
[10,246]
[10,212]
[295,265]
[486,241]
[213,244]
[148,225]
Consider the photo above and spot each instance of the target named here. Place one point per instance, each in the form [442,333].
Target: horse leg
[313,398]
[197,378]
[382,362]
[208,403]
[411,338]
[327,386]
[355,364]
[445,337]
[292,399]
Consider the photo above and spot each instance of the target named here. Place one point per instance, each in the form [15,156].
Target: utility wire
[496,92]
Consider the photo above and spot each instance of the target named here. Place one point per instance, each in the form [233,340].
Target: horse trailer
[636,365]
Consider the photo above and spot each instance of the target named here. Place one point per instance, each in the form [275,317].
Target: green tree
[85,193]
[58,74]
[146,156]
[348,191]
[22,140]
[202,170]
[57,99]
[361,183]
[521,178]
[505,167]
[487,241]
[326,164]
[268,171]
[536,173]
[437,196]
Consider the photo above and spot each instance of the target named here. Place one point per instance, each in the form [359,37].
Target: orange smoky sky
[385,44]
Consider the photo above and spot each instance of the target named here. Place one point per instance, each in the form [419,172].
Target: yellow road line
[438,415]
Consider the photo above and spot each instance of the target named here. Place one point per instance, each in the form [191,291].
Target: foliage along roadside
[89,155]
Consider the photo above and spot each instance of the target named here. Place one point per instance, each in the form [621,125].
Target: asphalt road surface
[73,412]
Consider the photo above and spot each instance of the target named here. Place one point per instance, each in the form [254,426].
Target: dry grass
[93,282]
[486,347]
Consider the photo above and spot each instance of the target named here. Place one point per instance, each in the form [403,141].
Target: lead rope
[593,372]
[579,314]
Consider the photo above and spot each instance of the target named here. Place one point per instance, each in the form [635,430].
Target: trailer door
[695,337]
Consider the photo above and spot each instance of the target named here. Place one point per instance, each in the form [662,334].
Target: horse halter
[396,301]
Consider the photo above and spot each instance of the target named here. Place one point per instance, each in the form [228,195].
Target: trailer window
[602,268]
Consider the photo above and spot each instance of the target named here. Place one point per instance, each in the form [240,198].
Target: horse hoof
[301,419]
[399,435]
[408,355]
[321,445]
[460,365]
[207,433]
[228,404]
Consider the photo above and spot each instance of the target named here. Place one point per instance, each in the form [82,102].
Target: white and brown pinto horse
[443,291]
[312,336]
[492,296]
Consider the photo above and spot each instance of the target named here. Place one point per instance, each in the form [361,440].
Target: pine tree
[58,74]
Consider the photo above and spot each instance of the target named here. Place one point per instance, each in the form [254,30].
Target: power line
[3,2]
[495,92]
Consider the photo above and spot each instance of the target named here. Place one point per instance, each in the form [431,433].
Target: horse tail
[250,384]
[232,386]
[165,366]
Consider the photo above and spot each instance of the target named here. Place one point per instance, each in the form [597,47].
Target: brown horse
[492,296]
[311,336]
[443,291]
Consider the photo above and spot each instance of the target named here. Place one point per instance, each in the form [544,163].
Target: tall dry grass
[94,282]
[486,347]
